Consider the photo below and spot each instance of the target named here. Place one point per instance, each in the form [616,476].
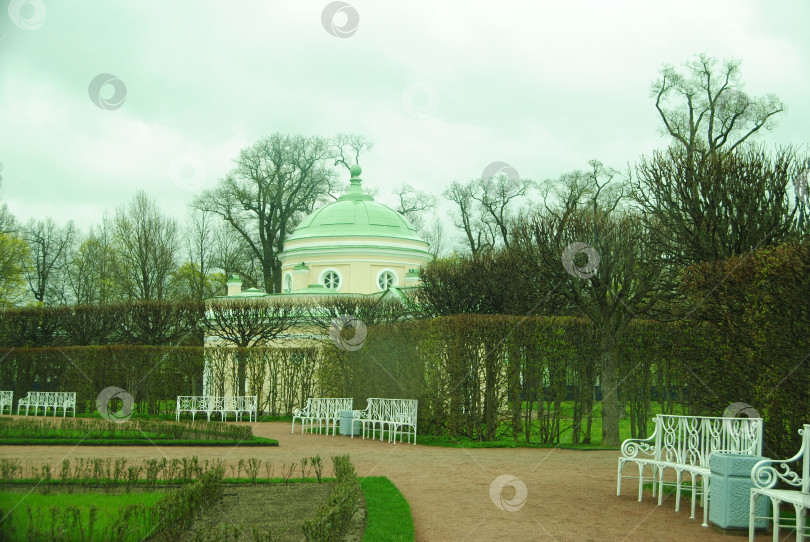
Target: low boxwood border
[389,514]
[257,441]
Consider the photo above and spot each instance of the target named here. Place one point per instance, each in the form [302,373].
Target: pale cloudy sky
[443,89]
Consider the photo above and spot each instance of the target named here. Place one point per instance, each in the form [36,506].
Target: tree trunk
[609,382]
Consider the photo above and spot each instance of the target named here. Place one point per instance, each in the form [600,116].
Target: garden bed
[94,432]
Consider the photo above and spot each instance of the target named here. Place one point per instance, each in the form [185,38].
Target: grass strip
[51,515]
[389,514]
[57,441]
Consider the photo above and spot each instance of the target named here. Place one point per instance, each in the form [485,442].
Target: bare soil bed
[571,495]
[279,508]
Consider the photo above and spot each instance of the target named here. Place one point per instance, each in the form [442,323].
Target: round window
[331,280]
[386,280]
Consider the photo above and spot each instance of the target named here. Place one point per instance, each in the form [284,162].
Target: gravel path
[570,495]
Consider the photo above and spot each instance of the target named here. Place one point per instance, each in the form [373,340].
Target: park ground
[571,493]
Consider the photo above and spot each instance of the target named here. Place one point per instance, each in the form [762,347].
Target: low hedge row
[332,519]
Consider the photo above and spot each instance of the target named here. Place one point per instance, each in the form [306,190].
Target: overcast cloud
[442,89]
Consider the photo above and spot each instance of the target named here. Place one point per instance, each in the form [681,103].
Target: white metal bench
[323,410]
[765,475]
[211,404]
[48,399]
[391,415]
[684,444]
[6,400]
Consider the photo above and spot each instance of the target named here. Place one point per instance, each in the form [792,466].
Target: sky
[99,99]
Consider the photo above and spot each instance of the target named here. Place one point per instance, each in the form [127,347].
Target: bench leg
[775,504]
[694,496]
[705,494]
[678,481]
[660,485]
[752,507]
[799,521]
[619,478]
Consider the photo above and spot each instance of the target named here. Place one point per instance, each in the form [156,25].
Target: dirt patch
[277,508]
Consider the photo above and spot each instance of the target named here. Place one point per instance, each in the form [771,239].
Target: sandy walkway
[571,494]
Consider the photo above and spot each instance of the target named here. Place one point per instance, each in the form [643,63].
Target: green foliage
[332,518]
[527,379]
[154,375]
[759,311]
[13,257]
[86,516]
[138,430]
[389,514]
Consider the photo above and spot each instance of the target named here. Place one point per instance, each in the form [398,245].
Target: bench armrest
[766,473]
[360,414]
[632,447]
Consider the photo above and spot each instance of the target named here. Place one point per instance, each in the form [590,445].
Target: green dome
[355,214]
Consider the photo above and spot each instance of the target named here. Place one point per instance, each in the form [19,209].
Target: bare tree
[349,147]
[248,322]
[50,249]
[485,207]
[467,217]
[597,251]
[495,196]
[193,281]
[90,275]
[434,233]
[725,205]
[413,204]
[705,109]
[276,182]
[146,244]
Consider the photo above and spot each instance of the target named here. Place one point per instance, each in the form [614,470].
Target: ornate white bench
[323,410]
[6,400]
[391,415]
[48,399]
[684,444]
[765,476]
[211,404]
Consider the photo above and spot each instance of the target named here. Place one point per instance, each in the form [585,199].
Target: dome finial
[355,170]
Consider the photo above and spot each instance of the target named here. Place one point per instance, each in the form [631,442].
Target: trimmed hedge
[332,519]
[488,377]
[153,375]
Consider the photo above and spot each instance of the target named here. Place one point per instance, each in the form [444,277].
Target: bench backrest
[6,397]
[210,402]
[49,398]
[402,410]
[328,407]
[692,439]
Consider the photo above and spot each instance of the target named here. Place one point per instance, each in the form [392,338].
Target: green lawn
[119,441]
[389,514]
[51,516]
[566,413]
